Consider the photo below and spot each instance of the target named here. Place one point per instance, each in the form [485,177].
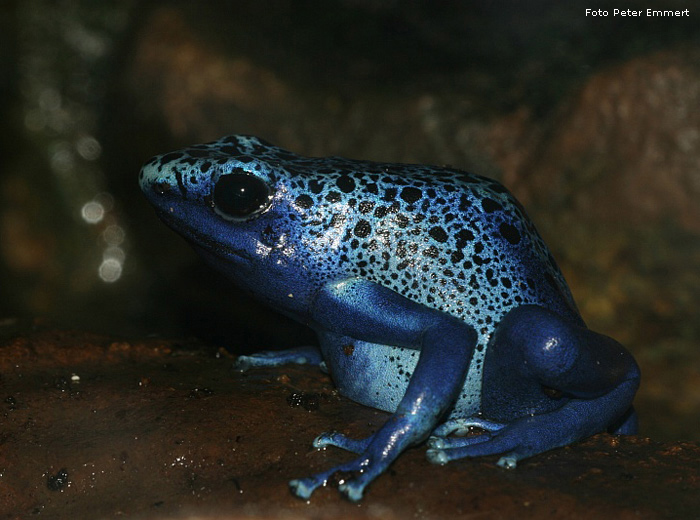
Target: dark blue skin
[432,294]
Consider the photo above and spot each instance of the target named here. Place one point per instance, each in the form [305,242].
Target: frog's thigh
[531,348]
[560,354]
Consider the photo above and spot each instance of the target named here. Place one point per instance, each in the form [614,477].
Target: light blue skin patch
[432,294]
[367,373]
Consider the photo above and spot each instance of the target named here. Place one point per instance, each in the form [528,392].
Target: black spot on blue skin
[198,153]
[401,249]
[304,201]
[365,207]
[464,236]
[402,220]
[510,233]
[390,194]
[180,184]
[169,157]
[345,183]
[333,196]
[490,205]
[431,252]
[362,229]
[438,234]
[337,220]
[411,194]
[315,187]
[381,212]
[372,188]
[498,188]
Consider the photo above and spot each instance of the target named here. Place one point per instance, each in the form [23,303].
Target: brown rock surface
[93,427]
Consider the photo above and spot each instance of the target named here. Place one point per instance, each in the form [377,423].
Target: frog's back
[446,238]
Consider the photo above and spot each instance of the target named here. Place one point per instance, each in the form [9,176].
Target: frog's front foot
[293,356]
[341,441]
[352,478]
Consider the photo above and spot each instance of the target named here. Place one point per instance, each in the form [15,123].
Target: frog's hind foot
[442,448]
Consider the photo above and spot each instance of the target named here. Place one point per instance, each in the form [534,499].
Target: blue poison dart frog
[432,295]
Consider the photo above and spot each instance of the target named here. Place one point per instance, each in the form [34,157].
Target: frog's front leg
[592,380]
[298,356]
[369,312]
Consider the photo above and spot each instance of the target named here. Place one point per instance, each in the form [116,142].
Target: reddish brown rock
[626,148]
[94,427]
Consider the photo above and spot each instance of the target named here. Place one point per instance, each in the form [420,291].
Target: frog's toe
[465,426]
[437,456]
[341,441]
[304,487]
[448,443]
[242,364]
[510,444]
[293,356]
[509,461]
[354,489]
[352,479]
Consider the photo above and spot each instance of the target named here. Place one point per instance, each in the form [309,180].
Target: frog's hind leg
[293,356]
[593,380]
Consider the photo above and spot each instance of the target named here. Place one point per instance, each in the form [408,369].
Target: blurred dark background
[593,122]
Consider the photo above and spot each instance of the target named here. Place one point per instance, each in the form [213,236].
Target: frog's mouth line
[203,241]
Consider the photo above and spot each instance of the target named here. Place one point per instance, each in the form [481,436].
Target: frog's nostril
[161,188]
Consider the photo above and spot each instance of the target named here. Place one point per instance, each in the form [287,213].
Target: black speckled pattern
[451,240]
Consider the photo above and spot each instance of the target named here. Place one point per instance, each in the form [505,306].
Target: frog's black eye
[239,196]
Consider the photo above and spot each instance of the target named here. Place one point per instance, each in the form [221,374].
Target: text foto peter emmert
[641,12]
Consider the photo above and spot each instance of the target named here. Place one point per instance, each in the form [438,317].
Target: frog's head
[230,200]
